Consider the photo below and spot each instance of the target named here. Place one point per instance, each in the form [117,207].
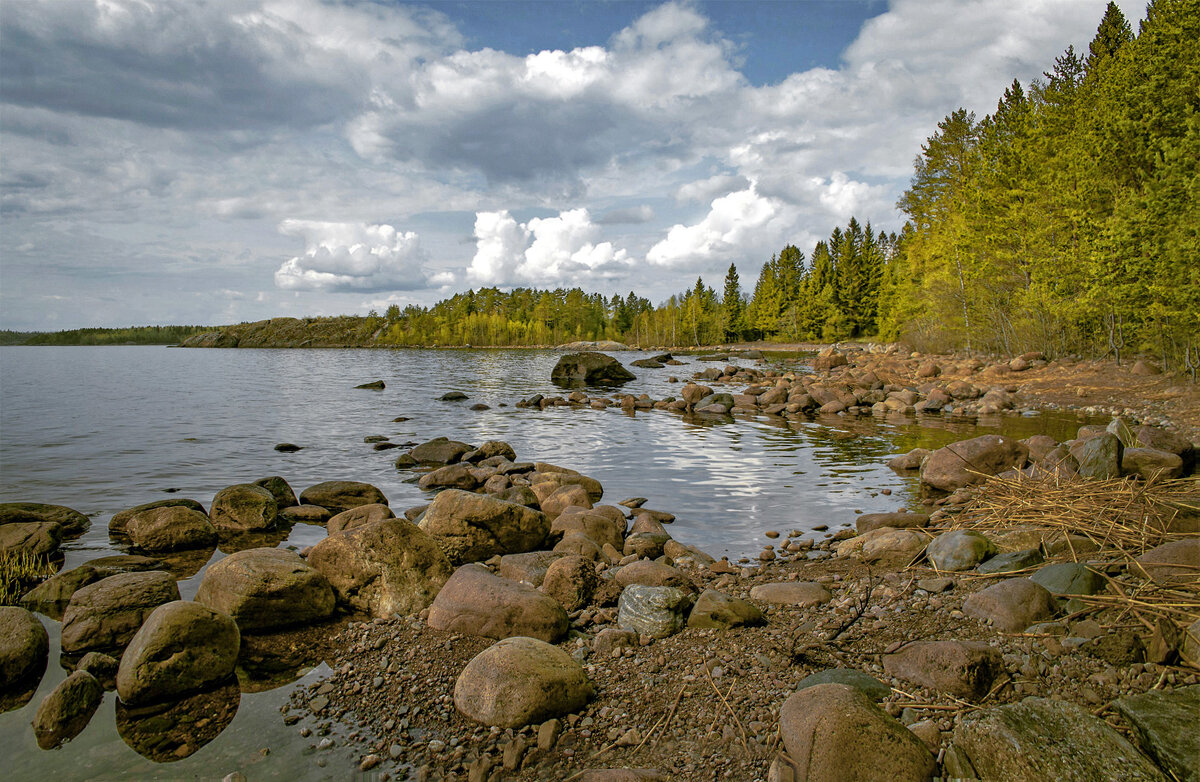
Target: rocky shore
[1037,616]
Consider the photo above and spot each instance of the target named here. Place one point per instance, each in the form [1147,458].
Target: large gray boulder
[477,602]
[105,615]
[588,368]
[521,681]
[971,461]
[1164,725]
[182,647]
[385,568]
[73,522]
[265,589]
[836,732]
[342,495]
[472,527]
[244,507]
[654,611]
[959,549]
[1040,739]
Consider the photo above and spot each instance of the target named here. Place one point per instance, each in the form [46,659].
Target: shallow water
[103,429]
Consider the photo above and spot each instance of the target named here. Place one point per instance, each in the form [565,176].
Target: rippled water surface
[103,429]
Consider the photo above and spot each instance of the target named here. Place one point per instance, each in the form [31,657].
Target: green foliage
[21,571]
[133,335]
[1067,221]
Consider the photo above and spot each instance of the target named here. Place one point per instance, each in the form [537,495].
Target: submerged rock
[24,646]
[66,711]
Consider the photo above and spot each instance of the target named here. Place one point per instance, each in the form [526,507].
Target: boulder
[870,521]
[306,514]
[653,611]
[1099,457]
[964,669]
[1012,604]
[1040,739]
[909,461]
[1064,579]
[1175,563]
[836,732]
[650,573]
[588,368]
[1011,561]
[52,595]
[182,647]
[473,527]
[359,517]
[385,568]
[572,581]
[889,546]
[1162,440]
[719,611]
[579,545]
[342,495]
[596,526]
[66,711]
[959,549]
[171,528]
[1149,463]
[1039,445]
[798,594]
[829,359]
[33,538]
[281,490]
[621,774]
[440,450]
[1189,645]
[265,589]
[521,681]
[971,461]
[490,450]
[529,567]
[477,602]
[73,522]
[24,645]
[116,525]
[244,507]
[1164,725]
[105,615]
[851,677]
[560,477]
[452,476]
[561,498]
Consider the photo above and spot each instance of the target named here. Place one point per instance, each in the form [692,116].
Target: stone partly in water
[66,711]
[73,522]
[653,611]
[171,731]
[1099,457]
[588,368]
[171,529]
[358,517]
[105,615]
[34,538]
[521,681]
[265,589]
[1040,739]
[244,508]
[183,647]
[342,495]
[52,595]
[477,602]
[116,525]
[281,490]
[1164,724]
[971,461]
[385,568]
[24,646]
[836,732]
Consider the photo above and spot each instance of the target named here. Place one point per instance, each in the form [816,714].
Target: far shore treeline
[1066,222]
[133,335]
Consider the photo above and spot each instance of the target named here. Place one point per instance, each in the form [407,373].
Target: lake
[101,429]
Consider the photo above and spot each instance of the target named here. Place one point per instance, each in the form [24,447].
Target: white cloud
[352,257]
[643,213]
[734,223]
[546,251]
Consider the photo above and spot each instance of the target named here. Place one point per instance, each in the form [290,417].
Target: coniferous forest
[1067,221]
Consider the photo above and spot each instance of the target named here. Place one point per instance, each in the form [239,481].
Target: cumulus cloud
[546,251]
[643,213]
[734,223]
[352,257]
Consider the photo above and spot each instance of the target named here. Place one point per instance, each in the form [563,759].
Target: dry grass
[1121,518]
[19,572]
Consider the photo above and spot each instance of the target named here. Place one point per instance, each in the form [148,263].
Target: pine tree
[733,308]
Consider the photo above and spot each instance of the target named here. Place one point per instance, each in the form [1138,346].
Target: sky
[210,162]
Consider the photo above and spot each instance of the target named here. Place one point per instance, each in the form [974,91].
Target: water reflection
[173,731]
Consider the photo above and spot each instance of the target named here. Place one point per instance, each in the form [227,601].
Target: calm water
[103,429]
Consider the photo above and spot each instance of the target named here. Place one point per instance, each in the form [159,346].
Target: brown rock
[529,567]
[73,522]
[477,602]
[342,495]
[597,526]
[1150,463]
[452,476]
[1012,604]
[281,490]
[572,581]
[964,669]
[1176,563]
[520,681]
[563,497]
[171,528]
[266,588]
[473,527]
[24,645]
[835,733]
[359,517]
[799,594]
[182,647]
[650,573]
[244,507]
[870,521]
[66,711]
[106,614]
[35,538]
[971,461]
[385,568]
[116,526]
